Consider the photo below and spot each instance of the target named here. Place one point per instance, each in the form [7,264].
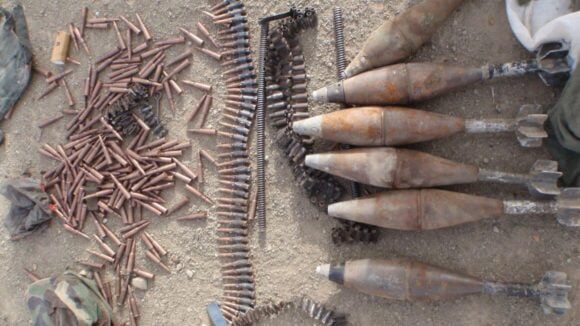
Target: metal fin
[569,207]
[530,126]
[544,177]
[554,293]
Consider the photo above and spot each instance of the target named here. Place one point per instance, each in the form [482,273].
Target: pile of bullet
[375,79]
[237,205]
[110,168]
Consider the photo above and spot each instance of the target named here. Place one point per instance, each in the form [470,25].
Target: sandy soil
[508,249]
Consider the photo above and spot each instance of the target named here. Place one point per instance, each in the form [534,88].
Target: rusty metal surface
[393,168]
[426,209]
[402,36]
[407,83]
[403,279]
[378,126]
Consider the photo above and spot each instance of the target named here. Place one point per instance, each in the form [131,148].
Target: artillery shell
[377,126]
[399,84]
[397,39]
[393,168]
[401,279]
[426,209]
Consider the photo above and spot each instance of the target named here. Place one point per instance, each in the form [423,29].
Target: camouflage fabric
[564,131]
[15,57]
[29,210]
[69,299]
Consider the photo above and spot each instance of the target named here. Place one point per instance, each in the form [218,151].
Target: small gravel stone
[139,283]
[189,273]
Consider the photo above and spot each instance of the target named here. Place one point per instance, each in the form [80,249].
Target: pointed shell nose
[309,127]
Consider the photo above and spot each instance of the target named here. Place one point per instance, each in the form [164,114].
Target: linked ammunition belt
[235,173]
[305,306]
[288,102]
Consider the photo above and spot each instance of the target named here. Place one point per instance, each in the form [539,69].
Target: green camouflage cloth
[68,299]
[564,132]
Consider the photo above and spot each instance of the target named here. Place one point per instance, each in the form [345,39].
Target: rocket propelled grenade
[402,36]
[430,209]
[406,280]
[391,126]
[414,82]
[402,169]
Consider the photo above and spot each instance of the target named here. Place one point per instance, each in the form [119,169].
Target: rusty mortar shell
[192,217]
[402,36]
[377,126]
[407,280]
[413,82]
[402,168]
[430,209]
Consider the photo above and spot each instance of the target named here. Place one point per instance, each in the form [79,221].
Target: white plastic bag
[545,21]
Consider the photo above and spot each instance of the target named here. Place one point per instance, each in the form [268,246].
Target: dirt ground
[298,239]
